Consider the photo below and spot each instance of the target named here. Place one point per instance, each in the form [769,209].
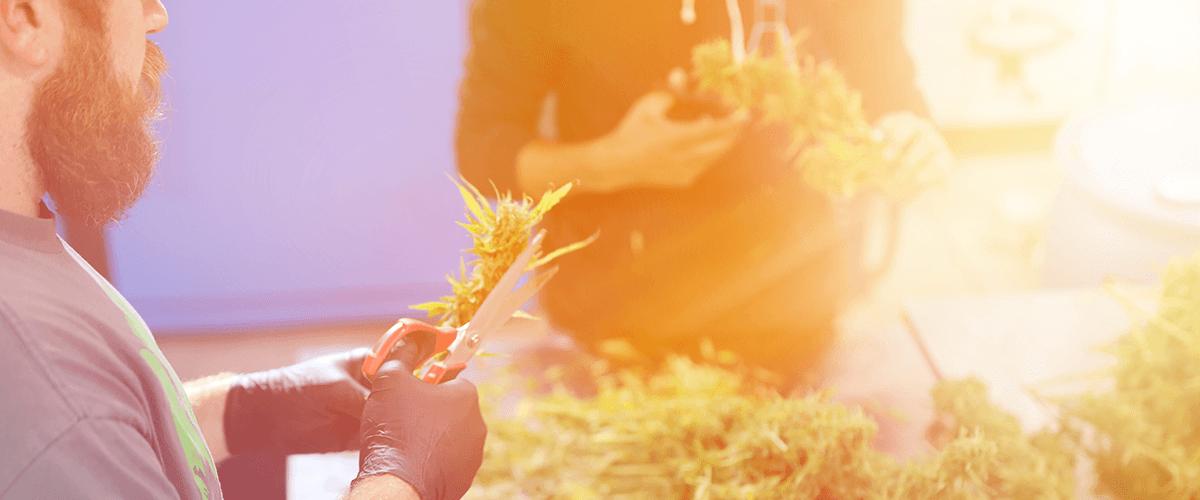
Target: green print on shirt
[186,429]
[193,445]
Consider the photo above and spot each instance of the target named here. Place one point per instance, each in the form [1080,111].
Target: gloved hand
[429,436]
[310,407]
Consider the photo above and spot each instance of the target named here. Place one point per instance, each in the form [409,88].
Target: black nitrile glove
[311,407]
[429,436]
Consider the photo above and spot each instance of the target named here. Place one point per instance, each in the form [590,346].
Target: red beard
[89,134]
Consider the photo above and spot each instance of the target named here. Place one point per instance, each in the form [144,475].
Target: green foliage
[705,430]
[1146,441]
[1041,465]
[498,235]
[830,133]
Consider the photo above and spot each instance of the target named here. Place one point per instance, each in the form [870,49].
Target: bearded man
[91,409]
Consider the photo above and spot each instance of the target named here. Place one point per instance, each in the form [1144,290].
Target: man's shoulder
[35,410]
[78,351]
[53,378]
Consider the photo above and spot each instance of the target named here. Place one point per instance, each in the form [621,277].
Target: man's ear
[27,34]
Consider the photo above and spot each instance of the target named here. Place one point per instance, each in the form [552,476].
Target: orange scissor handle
[439,372]
[432,340]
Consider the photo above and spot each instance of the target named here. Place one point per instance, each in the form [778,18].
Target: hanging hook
[770,16]
[687,12]
[737,34]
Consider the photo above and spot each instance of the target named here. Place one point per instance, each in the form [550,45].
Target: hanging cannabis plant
[831,140]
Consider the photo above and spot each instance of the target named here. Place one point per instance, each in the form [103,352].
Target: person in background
[91,409]
[703,230]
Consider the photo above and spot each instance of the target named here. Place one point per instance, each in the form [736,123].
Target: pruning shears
[445,351]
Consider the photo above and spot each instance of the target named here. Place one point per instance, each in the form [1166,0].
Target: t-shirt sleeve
[94,458]
[506,79]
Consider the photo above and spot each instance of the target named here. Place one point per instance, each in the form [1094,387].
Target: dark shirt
[748,240]
[90,407]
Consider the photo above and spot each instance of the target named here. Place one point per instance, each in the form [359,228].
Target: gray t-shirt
[89,406]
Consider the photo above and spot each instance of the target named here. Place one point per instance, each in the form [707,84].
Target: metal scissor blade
[499,305]
[468,344]
[513,301]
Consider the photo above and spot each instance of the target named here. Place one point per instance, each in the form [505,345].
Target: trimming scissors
[460,344]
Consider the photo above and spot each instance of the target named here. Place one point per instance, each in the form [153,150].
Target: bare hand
[915,150]
[648,149]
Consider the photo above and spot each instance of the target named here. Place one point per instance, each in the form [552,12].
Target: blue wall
[305,160]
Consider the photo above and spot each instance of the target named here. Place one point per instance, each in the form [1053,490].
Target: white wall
[304,172]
